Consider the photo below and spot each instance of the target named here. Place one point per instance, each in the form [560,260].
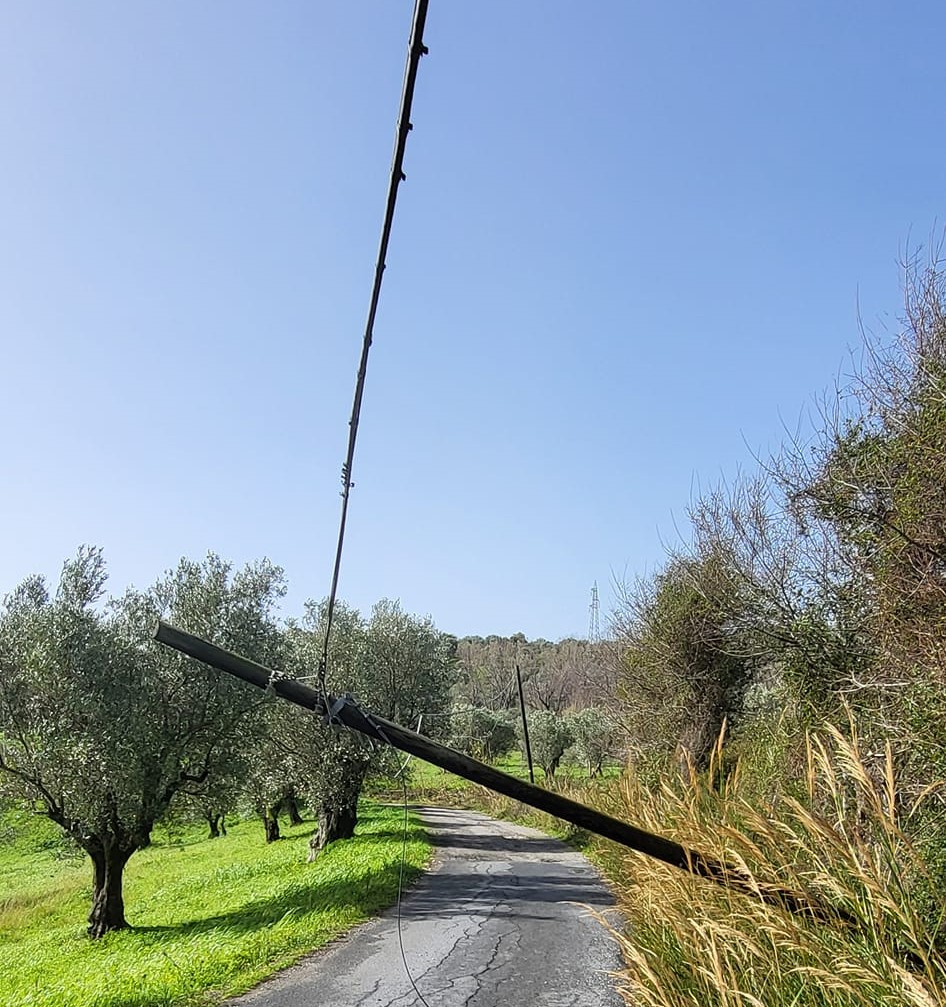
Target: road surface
[494,922]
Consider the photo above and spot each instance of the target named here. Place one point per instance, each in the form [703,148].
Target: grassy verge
[210,917]
[843,844]
[429,779]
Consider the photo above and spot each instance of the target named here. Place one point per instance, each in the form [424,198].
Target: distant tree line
[568,687]
[567,674]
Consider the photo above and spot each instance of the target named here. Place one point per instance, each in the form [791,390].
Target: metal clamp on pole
[334,704]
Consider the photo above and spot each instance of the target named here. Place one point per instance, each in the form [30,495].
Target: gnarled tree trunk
[292,808]
[108,905]
[336,821]
[271,822]
[215,821]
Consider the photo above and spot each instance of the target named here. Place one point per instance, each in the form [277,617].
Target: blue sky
[632,247]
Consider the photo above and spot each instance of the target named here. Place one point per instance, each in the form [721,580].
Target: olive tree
[397,666]
[549,736]
[594,738]
[99,727]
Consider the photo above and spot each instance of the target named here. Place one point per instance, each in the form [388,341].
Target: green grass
[515,764]
[427,777]
[210,918]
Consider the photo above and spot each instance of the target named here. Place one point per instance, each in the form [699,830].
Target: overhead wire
[416,48]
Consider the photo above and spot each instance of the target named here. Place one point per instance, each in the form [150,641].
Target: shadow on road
[539,876]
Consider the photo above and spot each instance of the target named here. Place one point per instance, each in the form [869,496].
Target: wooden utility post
[525,724]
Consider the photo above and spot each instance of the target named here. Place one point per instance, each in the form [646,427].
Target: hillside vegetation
[778,688]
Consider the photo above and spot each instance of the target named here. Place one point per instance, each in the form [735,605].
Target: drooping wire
[415,50]
[400,877]
[400,886]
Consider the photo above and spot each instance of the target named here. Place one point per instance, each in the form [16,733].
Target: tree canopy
[99,728]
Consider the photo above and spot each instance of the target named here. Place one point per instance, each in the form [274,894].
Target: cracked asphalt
[501,918]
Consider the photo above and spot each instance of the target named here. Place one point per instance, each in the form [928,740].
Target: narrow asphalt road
[494,922]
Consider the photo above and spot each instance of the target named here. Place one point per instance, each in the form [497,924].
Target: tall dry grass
[842,842]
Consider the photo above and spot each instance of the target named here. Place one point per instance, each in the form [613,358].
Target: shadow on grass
[448,893]
[393,833]
[363,895]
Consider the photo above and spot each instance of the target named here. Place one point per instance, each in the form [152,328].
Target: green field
[209,918]
[427,777]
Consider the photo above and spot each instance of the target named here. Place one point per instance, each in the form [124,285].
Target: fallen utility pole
[345,711]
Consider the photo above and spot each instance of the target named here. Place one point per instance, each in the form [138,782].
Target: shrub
[484,734]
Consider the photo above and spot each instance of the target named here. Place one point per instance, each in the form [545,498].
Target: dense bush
[484,734]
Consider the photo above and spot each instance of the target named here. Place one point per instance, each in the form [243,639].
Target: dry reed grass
[843,844]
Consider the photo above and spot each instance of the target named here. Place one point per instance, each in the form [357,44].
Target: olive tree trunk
[271,822]
[292,808]
[338,813]
[215,821]
[108,905]
[336,821]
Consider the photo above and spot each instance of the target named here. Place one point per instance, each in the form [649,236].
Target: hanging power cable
[400,888]
[415,50]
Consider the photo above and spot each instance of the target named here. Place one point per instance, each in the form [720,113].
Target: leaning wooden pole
[525,724]
[346,712]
